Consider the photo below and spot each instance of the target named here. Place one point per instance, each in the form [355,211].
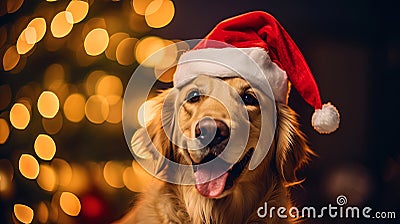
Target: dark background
[353,49]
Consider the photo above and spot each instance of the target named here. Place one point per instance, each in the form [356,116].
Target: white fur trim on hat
[253,64]
[326,120]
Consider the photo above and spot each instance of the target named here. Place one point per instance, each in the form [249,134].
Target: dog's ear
[153,137]
[292,150]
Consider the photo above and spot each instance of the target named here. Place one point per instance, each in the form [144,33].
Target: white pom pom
[326,120]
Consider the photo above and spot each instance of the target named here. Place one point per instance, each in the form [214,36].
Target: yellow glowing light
[23,213]
[80,179]
[140,6]
[74,107]
[47,178]
[42,212]
[115,115]
[64,170]
[38,25]
[93,23]
[30,35]
[147,47]
[113,174]
[10,58]
[157,15]
[136,178]
[4,131]
[28,166]
[144,113]
[78,9]
[165,75]
[45,147]
[110,87]
[70,203]
[48,104]
[19,116]
[53,126]
[91,81]
[54,73]
[96,41]
[168,55]
[62,24]
[125,53]
[6,178]
[13,5]
[97,109]
[115,40]
[23,44]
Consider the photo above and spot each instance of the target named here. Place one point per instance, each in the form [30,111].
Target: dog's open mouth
[212,181]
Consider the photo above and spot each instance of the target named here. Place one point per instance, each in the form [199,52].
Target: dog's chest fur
[183,204]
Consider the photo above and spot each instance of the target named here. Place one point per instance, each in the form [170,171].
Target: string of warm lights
[97,98]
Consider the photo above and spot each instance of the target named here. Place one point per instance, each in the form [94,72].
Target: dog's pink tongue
[207,184]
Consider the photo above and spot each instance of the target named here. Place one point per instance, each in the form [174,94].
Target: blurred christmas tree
[63,156]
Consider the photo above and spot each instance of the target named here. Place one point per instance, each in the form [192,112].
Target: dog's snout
[211,131]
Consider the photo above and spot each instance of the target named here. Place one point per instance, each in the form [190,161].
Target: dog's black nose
[211,132]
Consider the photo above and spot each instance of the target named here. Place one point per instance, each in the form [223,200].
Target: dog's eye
[249,99]
[193,96]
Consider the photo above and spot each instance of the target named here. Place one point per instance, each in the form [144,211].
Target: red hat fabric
[257,30]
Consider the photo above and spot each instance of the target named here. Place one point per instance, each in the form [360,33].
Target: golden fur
[269,182]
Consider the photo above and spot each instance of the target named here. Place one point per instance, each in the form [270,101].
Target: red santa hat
[260,37]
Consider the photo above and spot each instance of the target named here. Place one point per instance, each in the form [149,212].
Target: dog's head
[195,124]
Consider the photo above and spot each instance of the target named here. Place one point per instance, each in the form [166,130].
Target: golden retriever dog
[236,195]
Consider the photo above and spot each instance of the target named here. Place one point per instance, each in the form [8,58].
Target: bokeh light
[159,13]
[110,87]
[54,73]
[26,41]
[42,212]
[97,109]
[62,24]
[115,40]
[6,178]
[136,178]
[38,25]
[10,58]
[53,126]
[62,169]
[96,42]
[112,172]
[125,53]
[165,75]
[140,6]
[146,47]
[168,56]
[47,178]
[78,9]
[23,213]
[45,147]
[70,203]
[115,114]
[14,5]
[19,116]
[74,107]
[48,104]
[28,166]
[91,81]
[4,131]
